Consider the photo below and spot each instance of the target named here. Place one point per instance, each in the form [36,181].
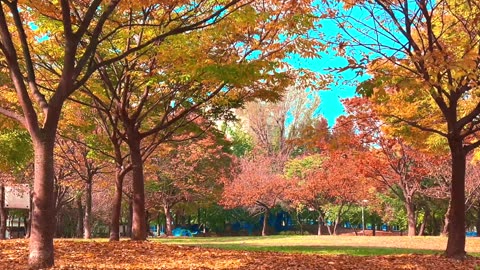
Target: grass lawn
[333,245]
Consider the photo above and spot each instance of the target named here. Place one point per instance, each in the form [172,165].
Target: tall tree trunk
[477,222]
[299,221]
[3,214]
[338,219]
[129,218]
[139,226]
[117,205]
[29,223]
[87,221]
[79,229]
[434,224]
[168,221]
[374,229]
[335,226]
[265,221]
[411,220]
[446,223]
[426,216]
[147,221]
[41,236]
[320,222]
[456,229]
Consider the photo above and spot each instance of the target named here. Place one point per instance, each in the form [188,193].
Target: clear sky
[330,104]
[344,84]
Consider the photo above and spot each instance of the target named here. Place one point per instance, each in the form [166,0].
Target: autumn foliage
[151,255]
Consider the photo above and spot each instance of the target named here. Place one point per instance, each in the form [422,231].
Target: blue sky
[344,84]
[330,104]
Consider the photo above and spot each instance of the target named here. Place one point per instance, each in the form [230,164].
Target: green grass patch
[323,250]
[294,244]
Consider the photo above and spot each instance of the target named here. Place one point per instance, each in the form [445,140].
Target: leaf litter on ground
[75,254]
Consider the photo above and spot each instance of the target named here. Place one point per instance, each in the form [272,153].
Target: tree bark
[265,221]
[477,222]
[426,216]
[338,219]
[335,226]
[43,215]
[117,206]
[79,229]
[139,226]
[87,221]
[446,221]
[168,221]
[456,229]
[329,229]
[29,223]
[3,214]
[130,218]
[320,223]
[411,220]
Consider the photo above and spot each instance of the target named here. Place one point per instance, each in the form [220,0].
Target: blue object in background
[181,232]
[471,234]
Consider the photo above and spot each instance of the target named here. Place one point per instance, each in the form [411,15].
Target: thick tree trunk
[168,221]
[411,220]
[43,215]
[374,229]
[456,229]
[3,214]
[139,226]
[117,206]
[87,221]
[265,222]
[79,229]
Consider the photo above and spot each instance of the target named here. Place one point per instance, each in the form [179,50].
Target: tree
[258,185]
[401,169]
[80,146]
[267,122]
[186,172]
[333,175]
[85,166]
[393,163]
[423,57]
[79,28]
[306,191]
[156,92]
[16,154]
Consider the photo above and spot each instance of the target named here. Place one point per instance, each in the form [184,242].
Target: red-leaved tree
[257,185]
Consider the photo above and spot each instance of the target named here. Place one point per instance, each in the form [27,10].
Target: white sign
[17,197]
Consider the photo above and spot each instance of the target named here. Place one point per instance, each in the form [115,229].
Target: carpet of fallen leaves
[71,254]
